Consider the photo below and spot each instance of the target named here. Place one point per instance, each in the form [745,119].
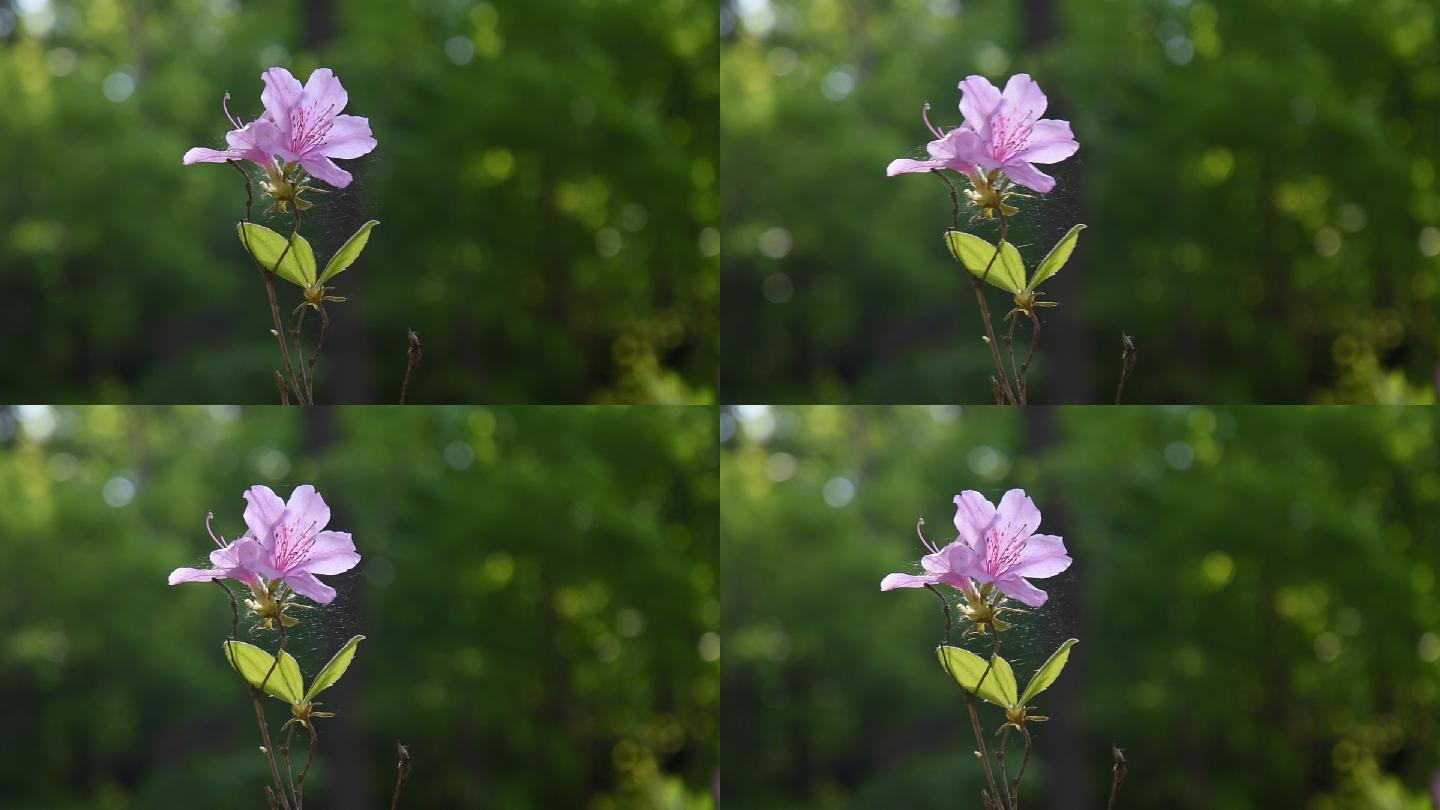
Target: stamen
[225,105]
[934,130]
[209,516]
[924,542]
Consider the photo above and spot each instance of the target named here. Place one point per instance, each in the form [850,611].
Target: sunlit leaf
[348,252]
[1056,258]
[968,670]
[1048,671]
[1007,271]
[298,264]
[255,665]
[331,672]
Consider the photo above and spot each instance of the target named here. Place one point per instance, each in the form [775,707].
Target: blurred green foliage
[538,592]
[545,181]
[1254,591]
[1260,179]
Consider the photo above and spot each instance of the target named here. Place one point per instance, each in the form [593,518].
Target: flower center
[1002,552]
[292,546]
[309,126]
[1008,135]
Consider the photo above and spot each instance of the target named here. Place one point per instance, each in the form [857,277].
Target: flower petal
[281,94]
[180,575]
[973,514]
[263,509]
[902,166]
[894,581]
[1043,556]
[323,169]
[306,512]
[1016,516]
[1021,590]
[202,155]
[349,137]
[332,553]
[1051,141]
[324,96]
[308,586]
[251,556]
[1028,176]
[1023,98]
[978,100]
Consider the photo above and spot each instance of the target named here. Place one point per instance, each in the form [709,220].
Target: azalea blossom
[1011,135]
[1001,132]
[1003,546]
[301,126]
[285,543]
[996,547]
[291,542]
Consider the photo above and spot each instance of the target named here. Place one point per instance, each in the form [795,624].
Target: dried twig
[1127,364]
[412,359]
[1120,769]
[402,766]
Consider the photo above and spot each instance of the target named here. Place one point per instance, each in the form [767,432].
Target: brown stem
[1120,769]
[280,383]
[268,274]
[300,349]
[319,344]
[403,774]
[1015,786]
[1014,370]
[285,750]
[254,696]
[412,359]
[309,756]
[1004,770]
[969,700]
[1004,383]
[1024,375]
[1127,364]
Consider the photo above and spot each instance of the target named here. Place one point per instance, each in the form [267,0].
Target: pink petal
[894,581]
[202,155]
[324,169]
[973,514]
[978,100]
[1029,176]
[905,166]
[1051,141]
[961,561]
[308,586]
[1023,98]
[263,509]
[332,553]
[1021,590]
[349,137]
[250,556]
[1016,516]
[324,95]
[180,575]
[1044,556]
[281,94]
[306,512]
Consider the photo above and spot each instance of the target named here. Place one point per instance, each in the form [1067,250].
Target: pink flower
[1001,131]
[290,544]
[1011,135]
[300,125]
[995,546]
[285,543]
[1003,547]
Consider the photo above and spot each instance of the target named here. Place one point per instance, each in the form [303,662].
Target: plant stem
[319,344]
[1024,375]
[1120,768]
[412,359]
[309,755]
[300,350]
[254,696]
[1015,786]
[1127,364]
[268,274]
[969,700]
[402,765]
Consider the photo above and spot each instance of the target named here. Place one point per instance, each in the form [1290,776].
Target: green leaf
[967,669]
[254,664]
[267,246]
[348,252]
[332,671]
[1056,258]
[1007,271]
[1048,671]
